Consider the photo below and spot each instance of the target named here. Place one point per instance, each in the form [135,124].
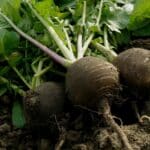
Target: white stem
[55,56]
[68,40]
[106,43]
[86,43]
[80,37]
[79,46]
[110,54]
[100,12]
[65,51]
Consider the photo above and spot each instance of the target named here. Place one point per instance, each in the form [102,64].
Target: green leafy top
[11,8]
[71,31]
[140,18]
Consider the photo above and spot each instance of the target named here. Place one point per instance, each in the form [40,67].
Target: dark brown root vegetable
[90,79]
[134,67]
[46,100]
[91,82]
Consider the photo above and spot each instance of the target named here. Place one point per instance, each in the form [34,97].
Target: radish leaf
[140,18]
[18,118]
[6,38]
[11,8]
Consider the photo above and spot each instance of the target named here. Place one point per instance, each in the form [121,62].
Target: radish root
[144,117]
[110,121]
[61,140]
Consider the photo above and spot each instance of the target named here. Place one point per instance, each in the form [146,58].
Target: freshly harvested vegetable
[72,27]
[92,75]
[46,100]
[91,82]
[90,79]
[134,67]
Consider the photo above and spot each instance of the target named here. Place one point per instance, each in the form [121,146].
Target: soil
[79,128]
[142,43]
[74,131]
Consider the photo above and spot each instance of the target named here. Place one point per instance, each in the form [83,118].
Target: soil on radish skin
[78,130]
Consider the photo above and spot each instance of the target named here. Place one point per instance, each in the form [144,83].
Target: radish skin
[46,100]
[134,67]
[89,79]
[91,82]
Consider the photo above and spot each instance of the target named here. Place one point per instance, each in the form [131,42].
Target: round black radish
[91,79]
[41,104]
[134,67]
[91,82]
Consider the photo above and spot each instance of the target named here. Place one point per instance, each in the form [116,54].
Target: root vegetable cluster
[92,83]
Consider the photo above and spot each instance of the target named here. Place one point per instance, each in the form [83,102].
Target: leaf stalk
[61,60]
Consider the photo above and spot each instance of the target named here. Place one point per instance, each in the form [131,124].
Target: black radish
[46,100]
[134,67]
[90,79]
[91,82]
